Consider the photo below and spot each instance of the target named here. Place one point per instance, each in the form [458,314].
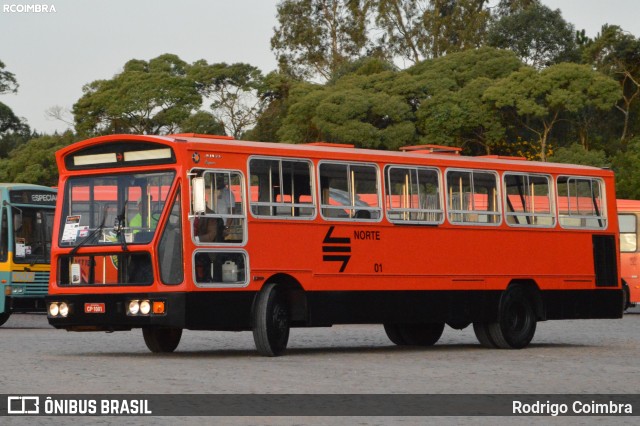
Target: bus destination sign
[33,197]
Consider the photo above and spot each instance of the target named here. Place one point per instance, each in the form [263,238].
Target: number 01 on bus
[186,231]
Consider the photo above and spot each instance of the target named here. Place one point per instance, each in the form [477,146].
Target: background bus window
[224,208]
[580,203]
[628,233]
[4,235]
[281,188]
[528,200]
[472,197]
[349,191]
[413,195]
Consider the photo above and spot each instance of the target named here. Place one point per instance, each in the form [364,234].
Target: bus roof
[22,186]
[321,149]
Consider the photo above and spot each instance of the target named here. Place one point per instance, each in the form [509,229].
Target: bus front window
[114,209]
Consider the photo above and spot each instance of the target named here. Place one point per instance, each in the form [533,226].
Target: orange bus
[198,232]
[628,218]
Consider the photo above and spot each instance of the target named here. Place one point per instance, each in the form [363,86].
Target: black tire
[626,298]
[393,333]
[4,317]
[481,329]
[517,319]
[271,321]
[414,334]
[161,340]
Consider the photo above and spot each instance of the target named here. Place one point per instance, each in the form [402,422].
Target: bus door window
[472,197]
[413,195]
[224,211]
[214,267]
[349,191]
[628,233]
[170,246]
[281,187]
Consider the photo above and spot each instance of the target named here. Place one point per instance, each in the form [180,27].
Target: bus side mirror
[198,195]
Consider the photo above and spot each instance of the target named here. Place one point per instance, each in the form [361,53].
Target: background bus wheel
[626,303]
[414,334]
[161,339]
[271,321]
[481,329]
[516,323]
[4,317]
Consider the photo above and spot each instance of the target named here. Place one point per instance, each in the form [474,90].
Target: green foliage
[315,37]
[626,165]
[576,154]
[204,123]
[147,97]
[34,161]
[540,99]
[538,35]
[233,90]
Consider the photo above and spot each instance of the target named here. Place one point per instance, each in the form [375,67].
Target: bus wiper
[92,235]
[118,226]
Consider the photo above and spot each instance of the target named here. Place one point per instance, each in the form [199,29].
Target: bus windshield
[113,209]
[32,235]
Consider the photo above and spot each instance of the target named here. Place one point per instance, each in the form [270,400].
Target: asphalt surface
[582,356]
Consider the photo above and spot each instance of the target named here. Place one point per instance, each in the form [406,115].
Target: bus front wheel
[517,319]
[414,334]
[160,340]
[271,321]
[4,317]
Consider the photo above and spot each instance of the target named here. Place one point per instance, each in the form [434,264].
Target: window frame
[551,197]
[312,185]
[242,215]
[201,250]
[603,217]
[497,213]
[322,206]
[635,231]
[387,183]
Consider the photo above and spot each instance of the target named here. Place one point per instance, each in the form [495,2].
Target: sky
[53,54]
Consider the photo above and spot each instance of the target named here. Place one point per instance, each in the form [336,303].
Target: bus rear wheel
[4,317]
[414,334]
[517,320]
[161,340]
[271,321]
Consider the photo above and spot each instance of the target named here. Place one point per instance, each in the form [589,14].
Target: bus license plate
[94,308]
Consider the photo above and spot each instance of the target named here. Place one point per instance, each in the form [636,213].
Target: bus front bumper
[111,312]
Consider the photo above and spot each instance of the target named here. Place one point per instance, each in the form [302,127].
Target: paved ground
[589,356]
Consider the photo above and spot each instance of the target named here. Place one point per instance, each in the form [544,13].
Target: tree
[422,29]
[538,35]
[152,97]
[314,37]
[8,83]
[360,108]
[626,165]
[233,90]
[34,161]
[576,154]
[617,53]
[538,100]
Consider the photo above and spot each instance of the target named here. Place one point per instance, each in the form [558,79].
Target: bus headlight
[134,307]
[145,307]
[63,309]
[17,290]
[54,310]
